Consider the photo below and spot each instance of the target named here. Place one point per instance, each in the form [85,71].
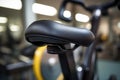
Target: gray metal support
[28,15]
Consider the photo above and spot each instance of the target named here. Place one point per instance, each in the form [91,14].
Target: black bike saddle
[49,32]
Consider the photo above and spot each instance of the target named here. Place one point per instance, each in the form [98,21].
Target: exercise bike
[58,37]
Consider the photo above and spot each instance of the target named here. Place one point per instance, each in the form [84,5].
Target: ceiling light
[1,28]
[81,17]
[58,22]
[3,20]
[44,9]
[14,28]
[118,24]
[88,26]
[67,14]
[12,4]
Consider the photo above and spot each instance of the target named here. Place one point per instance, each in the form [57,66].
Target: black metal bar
[68,65]
[90,51]
[20,66]
[64,65]
[61,12]
[106,6]
[95,21]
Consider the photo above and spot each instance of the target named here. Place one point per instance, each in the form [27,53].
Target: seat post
[68,64]
[66,58]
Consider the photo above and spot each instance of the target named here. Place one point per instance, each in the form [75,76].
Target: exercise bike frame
[63,47]
[67,59]
[89,65]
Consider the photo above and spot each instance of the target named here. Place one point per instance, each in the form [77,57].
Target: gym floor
[107,68]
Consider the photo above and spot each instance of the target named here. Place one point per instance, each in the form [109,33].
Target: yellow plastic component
[37,62]
[60,77]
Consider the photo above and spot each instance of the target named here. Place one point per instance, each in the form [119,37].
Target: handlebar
[63,6]
[103,7]
[61,12]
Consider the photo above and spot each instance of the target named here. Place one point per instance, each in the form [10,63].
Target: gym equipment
[58,37]
[97,11]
